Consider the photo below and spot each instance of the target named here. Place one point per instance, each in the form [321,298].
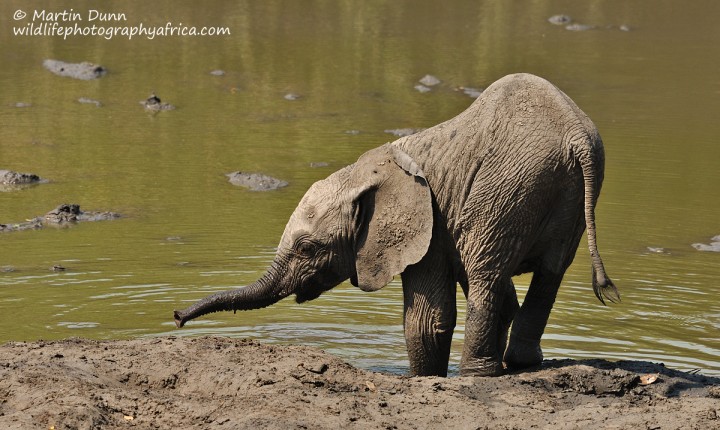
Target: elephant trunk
[262,293]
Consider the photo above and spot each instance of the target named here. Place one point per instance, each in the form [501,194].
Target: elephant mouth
[313,288]
[309,292]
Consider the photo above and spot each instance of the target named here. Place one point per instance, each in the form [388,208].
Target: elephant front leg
[430,312]
[490,311]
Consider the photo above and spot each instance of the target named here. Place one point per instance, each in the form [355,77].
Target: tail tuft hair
[604,289]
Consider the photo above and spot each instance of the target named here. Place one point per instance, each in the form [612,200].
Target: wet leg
[429,290]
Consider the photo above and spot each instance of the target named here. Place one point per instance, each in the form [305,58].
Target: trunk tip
[179,319]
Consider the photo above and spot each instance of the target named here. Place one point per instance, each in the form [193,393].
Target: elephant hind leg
[492,304]
[524,346]
[552,254]
[507,313]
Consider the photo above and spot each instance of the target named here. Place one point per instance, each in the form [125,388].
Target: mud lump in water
[255,181]
[84,71]
[60,216]
[154,104]
[10,178]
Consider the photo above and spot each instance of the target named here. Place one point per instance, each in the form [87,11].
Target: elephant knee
[443,323]
[432,337]
[428,338]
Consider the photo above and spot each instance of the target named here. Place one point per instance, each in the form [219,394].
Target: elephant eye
[306,248]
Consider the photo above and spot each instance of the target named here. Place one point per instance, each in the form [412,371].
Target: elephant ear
[395,216]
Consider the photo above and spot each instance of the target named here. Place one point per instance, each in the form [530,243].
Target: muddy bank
[213,382]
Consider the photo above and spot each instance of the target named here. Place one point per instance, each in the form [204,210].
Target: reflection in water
[188,233]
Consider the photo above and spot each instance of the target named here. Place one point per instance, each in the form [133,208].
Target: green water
[654,93]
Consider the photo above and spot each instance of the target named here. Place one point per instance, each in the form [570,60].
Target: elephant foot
[522,356]
[479,367]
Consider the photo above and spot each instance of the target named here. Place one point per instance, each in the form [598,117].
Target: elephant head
[366,222]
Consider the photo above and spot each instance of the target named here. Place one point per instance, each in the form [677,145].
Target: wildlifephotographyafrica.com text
[96,23]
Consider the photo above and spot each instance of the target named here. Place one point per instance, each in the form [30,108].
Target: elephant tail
[592,160]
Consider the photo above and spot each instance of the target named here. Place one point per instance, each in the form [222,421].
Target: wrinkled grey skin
[506,187]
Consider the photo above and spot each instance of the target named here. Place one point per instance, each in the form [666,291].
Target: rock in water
[429,80]
[579,27]
[402,132]
[470,91]
[559,20]
[63,214]
[154,104]
[66,213]
[60,216]
[713,246]
[255,181]
[84,71]
[89,101]
[8,177]
[13,181]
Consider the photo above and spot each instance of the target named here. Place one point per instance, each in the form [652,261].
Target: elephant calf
[506,187]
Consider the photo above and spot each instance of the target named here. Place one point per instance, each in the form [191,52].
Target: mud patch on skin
[208,382]
[255,181]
